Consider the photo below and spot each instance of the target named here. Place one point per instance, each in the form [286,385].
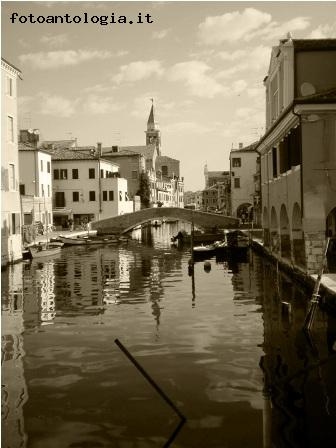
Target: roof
[313,44]
[146,150]
[151,116]
[58,144]
[165,158]
[13,66]
[107,151]
[249,148]
[70,154]
[30,147]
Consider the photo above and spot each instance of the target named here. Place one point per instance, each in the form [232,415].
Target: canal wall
[328,283]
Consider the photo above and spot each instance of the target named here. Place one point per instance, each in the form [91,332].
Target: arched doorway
[331,232]
[266,227]
[298,238]
[274,231]
[285,243]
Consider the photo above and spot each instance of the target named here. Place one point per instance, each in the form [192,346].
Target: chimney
[99,149]
[115,148]
[240,145]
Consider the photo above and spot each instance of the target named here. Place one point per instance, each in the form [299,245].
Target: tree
[144,189]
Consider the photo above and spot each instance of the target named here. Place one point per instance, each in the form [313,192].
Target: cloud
[195,75]
[55,59]
[323,32]
[56,106]
[246,25]
[160,34]
[256,58]
[98,88]
[56,40]
[239,86]
[98,105]
[187,127]
[137,71]
[275,30]
[233,26]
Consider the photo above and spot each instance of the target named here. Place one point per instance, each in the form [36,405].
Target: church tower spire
[153,134]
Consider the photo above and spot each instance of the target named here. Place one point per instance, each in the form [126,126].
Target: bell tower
[153,134]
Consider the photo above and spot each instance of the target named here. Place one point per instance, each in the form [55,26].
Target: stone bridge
[124,223]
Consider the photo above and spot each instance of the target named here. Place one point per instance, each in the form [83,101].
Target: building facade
[11,239]
[35,180]
[86,188]
[242,171]
[298,155]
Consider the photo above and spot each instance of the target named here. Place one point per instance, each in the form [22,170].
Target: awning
[62,211]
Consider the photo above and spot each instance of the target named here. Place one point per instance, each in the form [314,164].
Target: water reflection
[225,345]
[14,392]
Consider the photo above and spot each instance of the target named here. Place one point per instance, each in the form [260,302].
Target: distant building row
[57,183]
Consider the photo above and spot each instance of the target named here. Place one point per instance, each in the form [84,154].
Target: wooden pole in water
[192,238]
[315,299]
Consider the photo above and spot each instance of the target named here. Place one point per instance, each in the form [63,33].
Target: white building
[11,241]
[242,171]
[86,188]
[35,180]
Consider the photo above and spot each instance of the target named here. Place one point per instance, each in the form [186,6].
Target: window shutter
[4,179]
[17,223]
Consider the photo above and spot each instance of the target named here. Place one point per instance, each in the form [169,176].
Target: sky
[203,63]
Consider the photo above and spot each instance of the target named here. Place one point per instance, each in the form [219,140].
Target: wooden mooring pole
[315,299]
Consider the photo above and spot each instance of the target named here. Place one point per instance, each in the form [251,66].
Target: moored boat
[85,241]
[47,250]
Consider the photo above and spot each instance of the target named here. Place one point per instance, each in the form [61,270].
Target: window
[91,173]
[164,170]
[27,218]
[10,129]
[48,167]
[111,195]
[92,195]
[236,162]
[48,191]
[22,189]
[75,196]
[12,177]
[126,196]
[56,174]
[41,165]
[237,182]
[102,174]
[75,173]
[134,174]
[104,195]
[42,190]
[15,223]
[59,199]
[107,174]
[9,86]
[274,162]
[120,195]
[63,174]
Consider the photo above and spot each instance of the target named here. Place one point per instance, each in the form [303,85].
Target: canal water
[220,344]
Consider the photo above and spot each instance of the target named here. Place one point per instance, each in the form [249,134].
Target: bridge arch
[124,223]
